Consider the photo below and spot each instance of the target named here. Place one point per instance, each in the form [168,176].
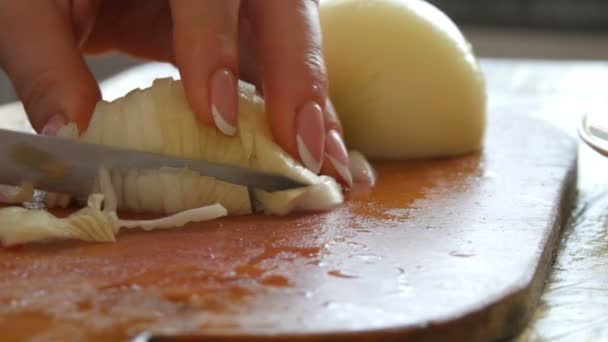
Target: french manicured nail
[310,136]
[336,153]
[224,101]
[361,169]
[53,125]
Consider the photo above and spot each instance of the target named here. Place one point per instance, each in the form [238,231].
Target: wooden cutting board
[455,248]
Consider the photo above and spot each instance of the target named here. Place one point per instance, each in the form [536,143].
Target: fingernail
[53,125]
[336,153]
[224,101]
[310,136]
[361,169]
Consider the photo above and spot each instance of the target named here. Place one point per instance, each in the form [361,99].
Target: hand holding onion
[274,44]
[404,80]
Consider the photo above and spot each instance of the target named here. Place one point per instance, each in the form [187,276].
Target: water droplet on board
[398,212]
[369,258]
[343,274]
[356,245]
[461,254]
[403,284]
[276,280]
[339,238]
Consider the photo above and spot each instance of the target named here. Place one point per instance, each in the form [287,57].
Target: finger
[82,16]
[129,27]
[332,120]
[336,162]
[47,70]
[205,37]
[249,68]
[288,40]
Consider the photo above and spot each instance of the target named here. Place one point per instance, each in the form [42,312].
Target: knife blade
[69,166]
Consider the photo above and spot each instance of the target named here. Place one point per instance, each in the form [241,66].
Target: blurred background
[536,29]
[580,15]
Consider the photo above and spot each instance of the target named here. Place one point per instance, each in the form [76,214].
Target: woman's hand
[275,44]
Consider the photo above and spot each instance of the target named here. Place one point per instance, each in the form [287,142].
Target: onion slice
[20,225]
[180,219]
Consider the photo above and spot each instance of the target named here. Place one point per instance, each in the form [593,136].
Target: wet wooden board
[454,248]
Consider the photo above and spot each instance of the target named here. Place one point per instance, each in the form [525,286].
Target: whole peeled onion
[403,78]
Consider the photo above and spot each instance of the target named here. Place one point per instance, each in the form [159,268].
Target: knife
[69,166]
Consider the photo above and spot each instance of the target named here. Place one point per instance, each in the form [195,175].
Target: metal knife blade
[68,166]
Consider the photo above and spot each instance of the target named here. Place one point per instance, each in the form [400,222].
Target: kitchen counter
[574,305]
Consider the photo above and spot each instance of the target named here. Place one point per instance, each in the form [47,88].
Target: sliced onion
[177,220]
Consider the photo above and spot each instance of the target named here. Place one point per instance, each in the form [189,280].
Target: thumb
[40,54]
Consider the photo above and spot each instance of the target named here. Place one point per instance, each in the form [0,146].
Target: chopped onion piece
[109,195]
[207,213]
[20,225]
